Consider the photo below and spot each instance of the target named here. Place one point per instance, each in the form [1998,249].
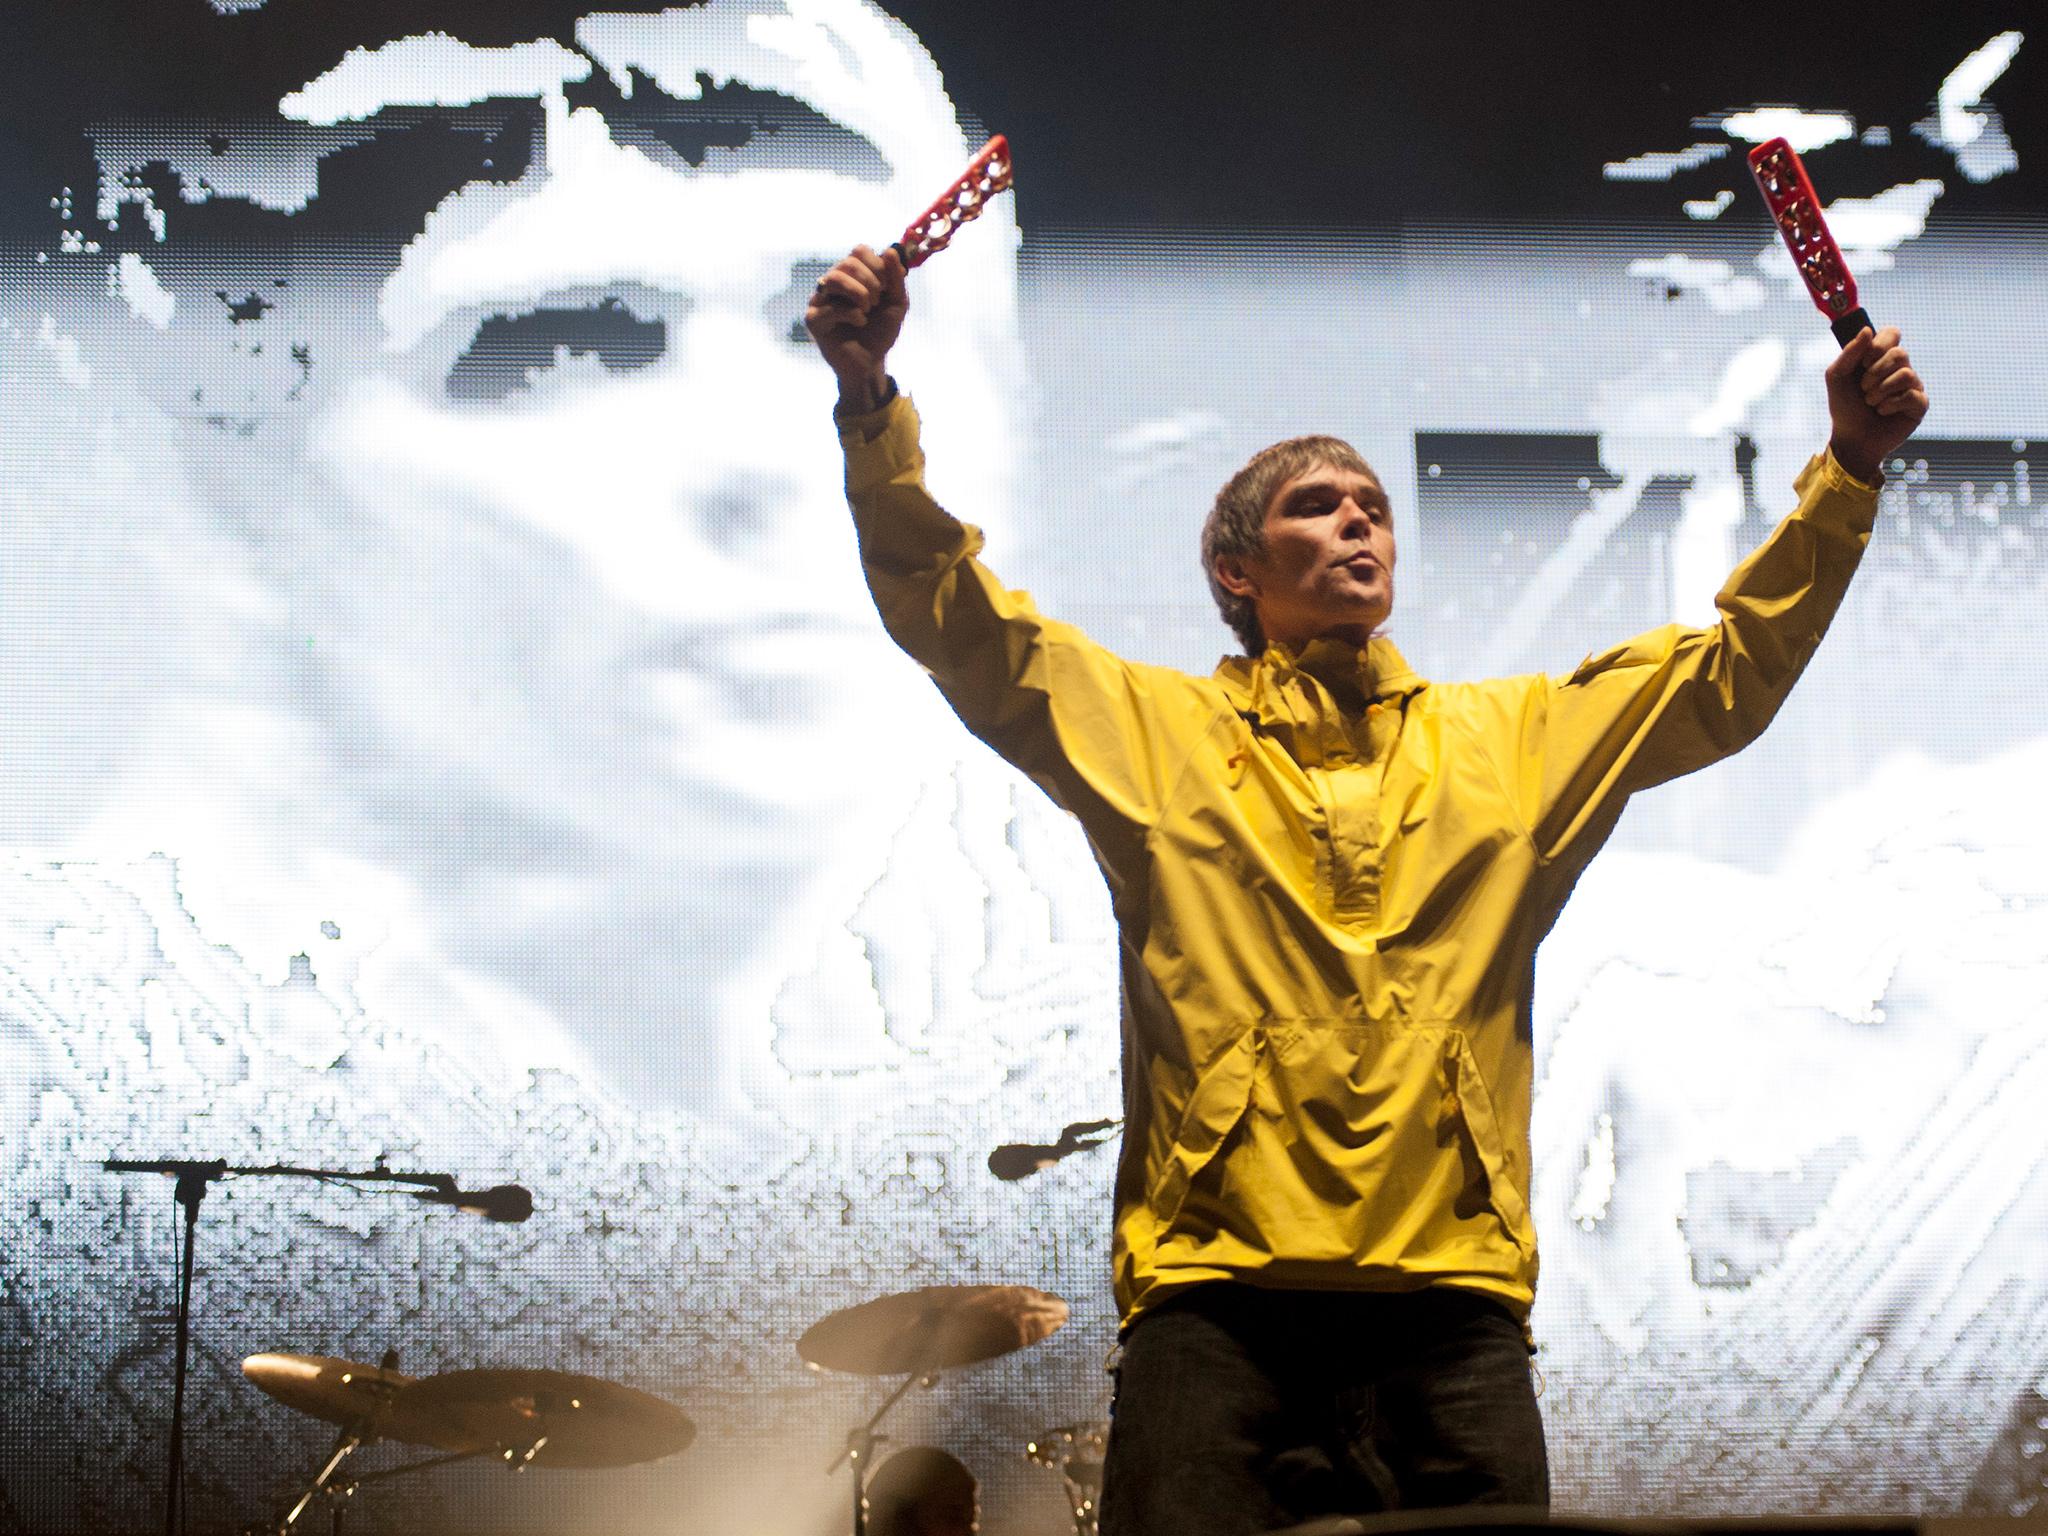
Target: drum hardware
[1076,1453]
[337,1493]
[859,1454]
[917,1335]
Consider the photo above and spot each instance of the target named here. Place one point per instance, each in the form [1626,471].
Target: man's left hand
[1875,400]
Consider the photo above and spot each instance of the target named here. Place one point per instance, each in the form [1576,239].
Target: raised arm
[1678,698]
[1102,736]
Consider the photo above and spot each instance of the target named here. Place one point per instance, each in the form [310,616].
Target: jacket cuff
[1833,498]
[842,418]
[1841,480]
[879,444]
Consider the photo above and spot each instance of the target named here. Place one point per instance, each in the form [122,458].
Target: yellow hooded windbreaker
[1330,878]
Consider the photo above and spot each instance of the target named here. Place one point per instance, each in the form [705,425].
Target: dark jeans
[1240,1410]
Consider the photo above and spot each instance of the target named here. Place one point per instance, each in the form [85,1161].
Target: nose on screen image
[444,725]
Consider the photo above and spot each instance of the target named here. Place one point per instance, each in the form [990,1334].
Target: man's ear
[1235,579]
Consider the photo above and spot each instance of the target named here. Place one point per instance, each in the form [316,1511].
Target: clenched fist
[855,315]
[1875,401]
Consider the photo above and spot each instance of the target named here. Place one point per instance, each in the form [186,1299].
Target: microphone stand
[193,1179]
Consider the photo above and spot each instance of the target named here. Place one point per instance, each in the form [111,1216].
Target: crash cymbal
[938,1328]
[348,1393]
[575,1421]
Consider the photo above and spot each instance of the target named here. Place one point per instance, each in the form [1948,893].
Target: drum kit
[545,1418]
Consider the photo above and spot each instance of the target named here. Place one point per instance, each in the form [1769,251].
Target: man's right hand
[855,315]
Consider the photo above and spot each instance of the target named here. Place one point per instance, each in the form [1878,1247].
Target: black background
[1304,112]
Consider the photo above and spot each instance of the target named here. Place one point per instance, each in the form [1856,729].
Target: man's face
[1328,565]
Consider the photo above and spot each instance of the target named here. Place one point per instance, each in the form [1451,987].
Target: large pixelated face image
[479,578]
[445,720]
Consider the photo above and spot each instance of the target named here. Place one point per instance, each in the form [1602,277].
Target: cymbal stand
[345,1444]
[336,1492]
[352,1437]
[861,1443]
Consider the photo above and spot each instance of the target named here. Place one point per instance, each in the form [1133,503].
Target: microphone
[1020,1159]
[503,1202]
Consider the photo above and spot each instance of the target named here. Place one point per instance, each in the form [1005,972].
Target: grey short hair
[1236,525]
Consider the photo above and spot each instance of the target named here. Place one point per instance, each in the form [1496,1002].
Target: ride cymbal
[551,1418]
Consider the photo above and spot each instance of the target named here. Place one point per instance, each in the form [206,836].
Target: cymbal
[936,1328]
[348,1393]
[576,1421]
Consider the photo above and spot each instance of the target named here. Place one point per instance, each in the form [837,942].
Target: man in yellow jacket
[1330,877]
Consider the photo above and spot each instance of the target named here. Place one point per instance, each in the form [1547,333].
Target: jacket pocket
[1216,1103]
[1472,1107]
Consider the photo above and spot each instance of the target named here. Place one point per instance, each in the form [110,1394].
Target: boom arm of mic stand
[218,1168]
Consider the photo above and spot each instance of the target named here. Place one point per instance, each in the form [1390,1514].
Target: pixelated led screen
[441,721]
